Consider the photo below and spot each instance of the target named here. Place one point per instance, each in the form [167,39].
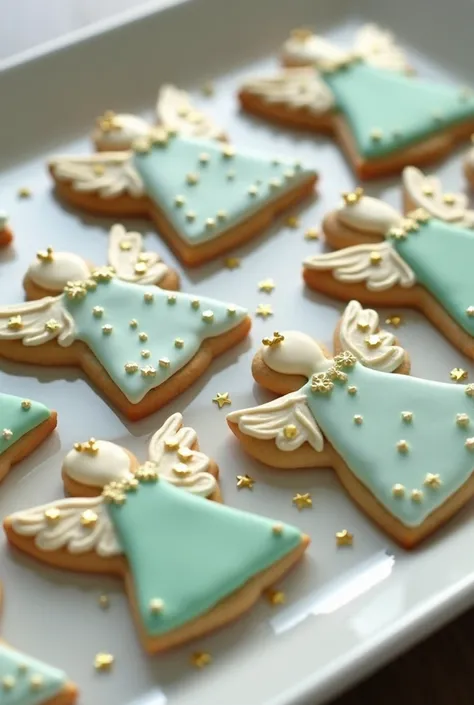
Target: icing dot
[274,183]
[178,342]
[373,341]
[352,389]
[192,179]
[7,434]
[36,681]
[26,404]
[97,311]
[164,362]
[133,323]
[358,419]
[8,682]
[398,490]
[131,367]
[156,605]
[277,529]
[190,216]
[375,258]
[470,311]
[107,329]
[143,337]
[228,152]
[148,297]
[179,201]
[195,303]
[203,158]
[208,316]
[210,223]
[416,496]
[376,134]
[402,446]
[221,215]
[469,443]
[462,419]
[252,191]
[407,416]
[432,480]
[172,299]
[145,353]
[290,431]
[52,515]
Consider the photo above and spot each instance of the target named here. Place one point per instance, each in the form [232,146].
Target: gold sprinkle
[407,416]
[292,222]
[376,134]
[427,191]
[416,496]
[402,446]
[91,447]
[266,285]
[107,329]
[52,515]
[140,268]
[179,201]
[130,367]
[221,399]
[277,529]
[104,601]
[181,470]
[289,174]
[148,371]
[103,662]
[449,199]
[133,323]
[26,404]
[148,297]
[275,597]
[45,255]
[195,303]
[156,605]
[457,374]
[171,299]
[470,311]
[89,518]
[301,34]
[358,419]
[228,152]
[231,310]
[230,176]
[190,216]
[207,316]
[393,321]
[276,340]
[24,192]
[432,480]
[52,325]
[274,183]
[469,443]
[7,434]
[201,659]
[352,389]
[15,323]
[375,258]
[311,234]
[469,390]
[141,145]
[344,538]
[361,325]
[203,158]
[185,454]
[398,490]
[221,215]
[290,431]
[264,310]
[171,445]
[302,501]
[462,420]
[352,197]
[207,89]
[178,342]
[36,681]
[125,245]
[8,682]
[245,481]
[164,362]
[143,337]
[192,179]
[252,191]
[373,341]
[232,262]
[97,311]
[210,223]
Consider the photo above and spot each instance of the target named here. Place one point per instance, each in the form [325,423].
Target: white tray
[348,610]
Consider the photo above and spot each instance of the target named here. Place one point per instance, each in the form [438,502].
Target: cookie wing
[356,332]
[287,420]
[107,174]
[171,450]
[176,111]
[378,48]
[296,88]
[37,322]
[129,262]
[378,265]
[78,525]
[427,192]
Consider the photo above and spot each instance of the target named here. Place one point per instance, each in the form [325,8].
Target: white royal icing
[110,463]
[125,129]
[356,325]
[427,192]
[353,265]
[54,275]
[378,48]
[175,111]
[108,174]
[36,319]
[124,261]
[68,532]
[297,354]
[370,215]
[306,48]
[271,421]
[298,88]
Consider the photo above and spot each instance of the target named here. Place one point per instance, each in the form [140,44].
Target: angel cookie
[141,346]
[189,565]
[24,424]
[204,198]
[26,681]
[383,118]
[174,111]
[50,271]
[6,235]
[173,452]
[423,261]
[401,446]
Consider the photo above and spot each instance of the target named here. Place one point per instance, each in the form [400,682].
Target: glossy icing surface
[18,420]
[404,109]
[222,187]
[22,668]
[160,321]
[191,553]
[436,441]
[441,256]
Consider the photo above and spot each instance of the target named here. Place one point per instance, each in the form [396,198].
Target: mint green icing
[191,552]
[436,441]
[22,668]
[441,255]
[18,420]
[162,321]
[406,109]
[223,184]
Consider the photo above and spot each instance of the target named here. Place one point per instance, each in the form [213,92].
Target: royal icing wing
[378,48]
[175,111]
[297,87]
[107,174]
[359,333]
[427,192]
[288,420]
[129,262]
[37,322]
[378,265]
[78,525]
[171,451]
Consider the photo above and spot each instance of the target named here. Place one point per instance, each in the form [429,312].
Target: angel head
[174,111]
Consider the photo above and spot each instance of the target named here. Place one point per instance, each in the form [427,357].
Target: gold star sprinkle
[470,311]
[145,354]
[148,297]
[190,216]
[143,337]
[107,329]
[141,145]
[24,192]
[245,481]
[373,341]
[8,682]
[376,134]
[402,446]
[344,538]
[416,496]
[462,420]
[221,399]
[89,518]
[156,605]
[398,490]
[469,443]
[277,529]
[358,419]
[104,601]
[130,367]
[407,416]
[7,434]
[178,342]
[432,480]
[352,389]
[352,197]
[275,597]
[210,223]
[232,262]
[302,501]
[228,152]
[469,390]
[276,340]
[393,321]
[207,316]
[457,374]
[91,447]
[221,215]
[36,681]
[133,323]
[97,311]
[203,158]
[52,515]
[45,255]
[103,662]
[52,325]
[195,303]
[311,234]
[171,299]
[252,191]
[375,258]
[449,199]
[274,183]
[266,285]
[26,404]
[164,362]
[427,191]
[290,431]
[292,222]
[148,371]
[201,659]
[192,178]
[264,310]
[15,323]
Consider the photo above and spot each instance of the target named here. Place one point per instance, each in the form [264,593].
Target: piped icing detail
[17,417]
[107,174]
[367,214]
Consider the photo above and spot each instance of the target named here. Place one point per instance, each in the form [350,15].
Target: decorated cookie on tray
[401,446]
[140,345]
[189,565]
[383,118]
[174,111]
[204,197]
[26,681]
[421,259]
[6,234]
[24,425]
[50,271]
